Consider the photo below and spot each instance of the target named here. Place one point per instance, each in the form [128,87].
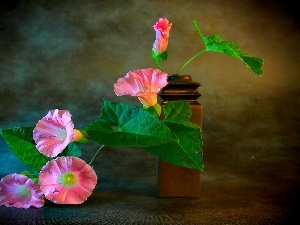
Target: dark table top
[232,192]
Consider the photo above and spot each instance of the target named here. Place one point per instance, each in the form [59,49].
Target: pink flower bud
[162,28]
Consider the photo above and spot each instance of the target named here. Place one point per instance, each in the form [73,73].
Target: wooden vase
[172,180]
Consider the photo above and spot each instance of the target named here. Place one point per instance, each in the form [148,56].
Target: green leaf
[33,176]
[71,150]
[177,110]
[187,151]
[127,125]
[216,43]
[22,144]
[177,116]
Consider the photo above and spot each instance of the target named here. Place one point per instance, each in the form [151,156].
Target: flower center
[62,133]
[24,192]
[69,179]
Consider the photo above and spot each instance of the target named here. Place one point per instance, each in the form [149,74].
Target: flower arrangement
[58,173]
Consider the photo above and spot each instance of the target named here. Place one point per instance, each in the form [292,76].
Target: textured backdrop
[68,55]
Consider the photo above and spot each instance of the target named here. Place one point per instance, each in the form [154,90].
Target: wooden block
[177,181]
[172,180]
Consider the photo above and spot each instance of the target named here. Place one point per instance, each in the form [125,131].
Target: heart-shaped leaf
[216,43]
[127,125]
[187,151]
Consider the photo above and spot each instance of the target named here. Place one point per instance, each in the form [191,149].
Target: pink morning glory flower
[162,29]
[143,83]
[67,180]
[54,132]
[17,190]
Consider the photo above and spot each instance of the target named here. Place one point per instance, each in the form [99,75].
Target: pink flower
[20,191]
[54,132]
[143,83]
[162,28]
[67,180]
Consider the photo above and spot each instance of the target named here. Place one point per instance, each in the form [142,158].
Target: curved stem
[191,59]
[96,155]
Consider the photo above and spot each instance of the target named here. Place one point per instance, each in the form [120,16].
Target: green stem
[96,155]
[159,67]
[191,59]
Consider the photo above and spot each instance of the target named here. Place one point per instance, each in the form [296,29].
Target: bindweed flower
[162,29]
[143,83]
[17,190]
[67,180]
[54,132]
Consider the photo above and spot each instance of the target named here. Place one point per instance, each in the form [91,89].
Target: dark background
[68,55]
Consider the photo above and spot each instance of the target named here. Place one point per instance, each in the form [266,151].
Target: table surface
[232,192]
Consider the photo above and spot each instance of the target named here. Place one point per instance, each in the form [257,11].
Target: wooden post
[177,181]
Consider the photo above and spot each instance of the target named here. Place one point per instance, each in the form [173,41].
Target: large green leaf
[215,43]
[177,116]
[21,143]
[187,151]
[127,125]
